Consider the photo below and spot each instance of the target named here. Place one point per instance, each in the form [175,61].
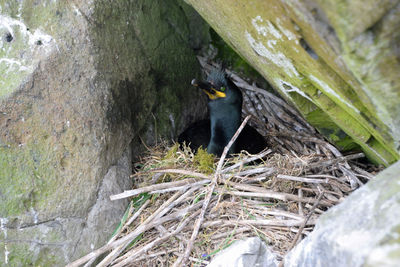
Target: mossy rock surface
[80,81]
[293,45]
[363,230]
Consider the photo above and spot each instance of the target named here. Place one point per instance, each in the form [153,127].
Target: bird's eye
[222,89]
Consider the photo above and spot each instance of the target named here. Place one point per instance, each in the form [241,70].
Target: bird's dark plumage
[225,108]
[198,134]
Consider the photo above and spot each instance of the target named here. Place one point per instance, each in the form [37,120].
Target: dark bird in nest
[225,109]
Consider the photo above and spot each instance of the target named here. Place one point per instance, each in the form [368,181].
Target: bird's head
[217,86]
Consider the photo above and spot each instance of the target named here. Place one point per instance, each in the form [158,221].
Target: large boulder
[336,61]
[80,81]
[362,231]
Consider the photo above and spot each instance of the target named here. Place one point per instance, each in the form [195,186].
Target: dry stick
[182,198]
[364,174]
[302,179]
[266,170]
[110,257]
[256,191]
[279,196]
[157,241]
[193,259]
[184,172]
[99,251]
[181,188]
[132,235]
[89,263]
[300,205]
[254,108]
[182,260]
[157,221]
[334,161]
[308,206]
[256,206]
[268,97]
[352,177]
[323,176]
[282,213]
[296,238]
[255,179]
[150,188]
[228,146]
[234,231]
[300,231]
[154,254]
[131,219]
[236,165]
[275,222]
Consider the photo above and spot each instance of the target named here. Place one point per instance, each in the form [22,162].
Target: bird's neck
[224,124]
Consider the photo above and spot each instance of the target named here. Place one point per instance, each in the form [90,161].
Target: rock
[251,251]
[81,82]
[361,231]
[336,61]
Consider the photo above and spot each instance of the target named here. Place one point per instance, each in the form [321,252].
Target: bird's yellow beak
[215,93]
[210,91]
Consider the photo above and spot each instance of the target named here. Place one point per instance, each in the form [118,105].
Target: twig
[184,172]
[335,160]
[264,170]
[154,187]
[228,146]
[131,219]
[300,231]
[302,179]
[305,221]
[180,188]
[277,222]
[182,261]
[193,259]
[235,231]
[153,255]
[133,254]
[132,235]
[354,181]
[278,196]
[300,205]
[161,210]
[362,173]
[237,165]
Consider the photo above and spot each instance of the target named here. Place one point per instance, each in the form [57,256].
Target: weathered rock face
[79,81]
[362,231]
[336,61]
[370,47]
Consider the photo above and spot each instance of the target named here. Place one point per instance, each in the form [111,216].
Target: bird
[225,112]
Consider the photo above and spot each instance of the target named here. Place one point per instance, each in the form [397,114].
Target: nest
[188,206]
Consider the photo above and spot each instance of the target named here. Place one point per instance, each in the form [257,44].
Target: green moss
[204,161]
[171,154]
[27,173]
[20,254]
[329,129]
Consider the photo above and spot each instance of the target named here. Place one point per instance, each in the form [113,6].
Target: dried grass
[186,207]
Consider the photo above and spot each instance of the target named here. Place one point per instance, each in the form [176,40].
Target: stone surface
[364,230]
[370,48]
[346,85]
[251,251]
[80,82]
